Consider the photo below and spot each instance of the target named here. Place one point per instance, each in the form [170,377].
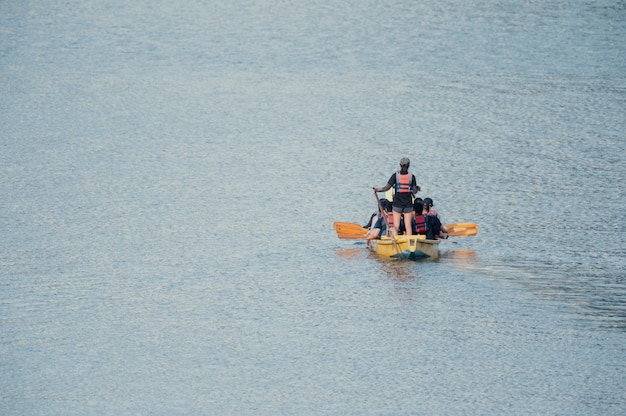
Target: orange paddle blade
[348,228]
[352,236]
[462,229]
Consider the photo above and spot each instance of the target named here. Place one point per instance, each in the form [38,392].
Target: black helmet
[429,202]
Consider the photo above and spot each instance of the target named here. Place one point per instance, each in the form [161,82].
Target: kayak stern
[410,247]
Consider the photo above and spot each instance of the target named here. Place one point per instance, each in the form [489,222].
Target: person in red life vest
[419,220]
[434,228]
[405,187]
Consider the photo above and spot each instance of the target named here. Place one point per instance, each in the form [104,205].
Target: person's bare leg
[408,226]
[396,221]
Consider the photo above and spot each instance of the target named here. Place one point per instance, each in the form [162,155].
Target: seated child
[419,220]
[434,229]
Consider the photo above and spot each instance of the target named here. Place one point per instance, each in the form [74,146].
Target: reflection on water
[460,257]
[351,254]
[397,270]
[403,275]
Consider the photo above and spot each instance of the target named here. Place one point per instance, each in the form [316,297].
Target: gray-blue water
[170,172]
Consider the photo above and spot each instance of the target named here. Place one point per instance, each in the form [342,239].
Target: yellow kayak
[413,247]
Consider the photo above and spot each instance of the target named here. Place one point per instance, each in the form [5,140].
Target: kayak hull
[406,247]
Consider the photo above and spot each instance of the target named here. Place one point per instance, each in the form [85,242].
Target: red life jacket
[404,182]
[390,219]
[420,224]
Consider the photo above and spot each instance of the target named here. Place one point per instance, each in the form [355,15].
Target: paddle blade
[352,236]
[462,229]
[349,228]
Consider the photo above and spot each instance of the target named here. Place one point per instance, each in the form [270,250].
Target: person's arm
[442,227]
[369,223]
[383,189]
[416,188]
[390,183]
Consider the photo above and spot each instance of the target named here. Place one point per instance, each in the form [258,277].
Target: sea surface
[170,172]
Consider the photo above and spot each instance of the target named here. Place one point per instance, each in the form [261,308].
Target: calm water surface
[170,173]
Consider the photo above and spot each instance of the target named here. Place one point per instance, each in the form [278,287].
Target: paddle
[352,236]
[461,229]
[353,231]
[349,228]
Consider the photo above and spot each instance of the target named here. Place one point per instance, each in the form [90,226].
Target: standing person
[405,187]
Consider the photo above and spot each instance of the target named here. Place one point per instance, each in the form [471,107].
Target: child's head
[418,207]
[383,203]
